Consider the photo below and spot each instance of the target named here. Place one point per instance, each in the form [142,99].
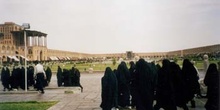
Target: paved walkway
[90,99]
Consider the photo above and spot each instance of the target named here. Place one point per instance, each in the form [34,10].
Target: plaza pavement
[90,99]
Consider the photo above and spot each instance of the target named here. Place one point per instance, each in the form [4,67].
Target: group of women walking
[170,85]
[14,79]
[67,77]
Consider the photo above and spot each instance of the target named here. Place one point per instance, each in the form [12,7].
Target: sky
[117,26]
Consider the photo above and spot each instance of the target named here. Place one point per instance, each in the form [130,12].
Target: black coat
[165,92]
[145,85]
[48,74]
[59,76]
[123,77]
[190,79]
[109,90]
[5,77]
[212,82]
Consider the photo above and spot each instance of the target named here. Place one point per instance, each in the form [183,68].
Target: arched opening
[41,55]
[29,51]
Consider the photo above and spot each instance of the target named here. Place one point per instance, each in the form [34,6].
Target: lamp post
[25,26]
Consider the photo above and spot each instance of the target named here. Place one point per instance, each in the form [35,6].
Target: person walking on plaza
[178,85]
[30,72]
[132,84]
[40,76]
[5,77]
[109,90]
[212,82]
[145,80]
[199,95]
[77,78]
[165,91]
[66,78]
[59,76]
[191,81]
[48,75]
[205,62]
[123,77]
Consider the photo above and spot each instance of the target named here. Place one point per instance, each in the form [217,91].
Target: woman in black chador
[77,78]
[212,82]
[178,85]
[30,72]
[145,85]
[15,78]
[66,78]
[191,81]
[48,74]
[5,77]
[165,95]
[132,84]
[123,77]
[109,90]
[59,76]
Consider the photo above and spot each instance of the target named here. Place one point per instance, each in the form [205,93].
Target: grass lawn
[30,105]
[84,67]
[97,66]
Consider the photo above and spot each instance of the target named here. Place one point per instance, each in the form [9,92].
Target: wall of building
[11,45]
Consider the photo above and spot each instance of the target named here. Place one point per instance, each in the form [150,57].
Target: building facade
[12,48]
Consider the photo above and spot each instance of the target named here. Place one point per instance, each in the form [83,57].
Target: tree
[114,61]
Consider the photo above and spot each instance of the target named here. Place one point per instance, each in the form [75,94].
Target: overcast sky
[112,26]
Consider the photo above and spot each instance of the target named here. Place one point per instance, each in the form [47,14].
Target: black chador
[165,92]
[5,77]
[212,82]
[132,84]
[59,76]
[30,72]
[72,72]
[191,81]
[48,74]
[66,77]
[178,84]
[109,90]
[15,78]
[77,78]
[123,77]
[22,81]
[145,85]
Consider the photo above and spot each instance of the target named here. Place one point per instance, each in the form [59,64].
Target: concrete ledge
[18,92]
[52,88]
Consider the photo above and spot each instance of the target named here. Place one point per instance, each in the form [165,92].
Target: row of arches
[3,47]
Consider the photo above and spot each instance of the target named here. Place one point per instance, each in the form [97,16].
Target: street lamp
[25,26]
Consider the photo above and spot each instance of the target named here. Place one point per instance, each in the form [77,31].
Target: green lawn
[84,67]
[30,105]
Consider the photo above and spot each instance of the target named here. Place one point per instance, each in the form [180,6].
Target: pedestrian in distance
[5,77]
[48,74]
[40,76]
[59,76]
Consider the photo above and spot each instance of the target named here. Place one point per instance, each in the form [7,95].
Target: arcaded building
[12,46]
